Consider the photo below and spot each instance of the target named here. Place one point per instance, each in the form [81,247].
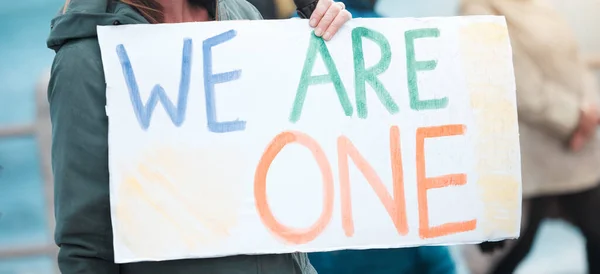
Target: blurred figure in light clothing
[557,98]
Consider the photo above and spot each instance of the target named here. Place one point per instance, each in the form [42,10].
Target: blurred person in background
[274,9]
[557,99]
[77,97]
[285,8]
[422,260]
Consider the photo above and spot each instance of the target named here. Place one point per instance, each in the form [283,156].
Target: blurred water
[33,265]
[23,56]
[24,26]
[23,220]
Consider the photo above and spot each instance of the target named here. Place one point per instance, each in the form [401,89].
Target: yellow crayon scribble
[175,200]
[487,64]
[497,122]
[486,34]
[139,218]
[501,195]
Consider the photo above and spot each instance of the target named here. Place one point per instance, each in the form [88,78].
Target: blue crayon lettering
[144,112]
[210,80]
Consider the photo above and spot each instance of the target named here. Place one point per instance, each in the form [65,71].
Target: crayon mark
[210,80]
[317,45]
[160,199]
[286,233]
[133,230]
[362,75]
[395,206]
[144,112]
[177,113]
[424,184]
[413,66]
[485,49]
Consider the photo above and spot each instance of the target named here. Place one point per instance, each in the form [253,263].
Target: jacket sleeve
[541,102]
[76,93]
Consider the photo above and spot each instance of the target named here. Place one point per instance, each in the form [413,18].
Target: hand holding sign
[328,17]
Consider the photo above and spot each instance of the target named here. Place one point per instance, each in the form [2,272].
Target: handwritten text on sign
[258,137]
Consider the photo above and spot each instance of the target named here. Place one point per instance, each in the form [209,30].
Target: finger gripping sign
[257,137]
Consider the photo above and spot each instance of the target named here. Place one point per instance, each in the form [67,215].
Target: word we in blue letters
[177,112]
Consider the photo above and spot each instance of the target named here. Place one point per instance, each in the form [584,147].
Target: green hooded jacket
[77,96]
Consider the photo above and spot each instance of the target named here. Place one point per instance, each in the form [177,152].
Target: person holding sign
[557,98]
[77,96]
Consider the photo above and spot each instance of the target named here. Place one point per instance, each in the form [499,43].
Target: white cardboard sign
[253,137]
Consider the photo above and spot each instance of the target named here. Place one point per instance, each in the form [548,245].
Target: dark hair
[150,9]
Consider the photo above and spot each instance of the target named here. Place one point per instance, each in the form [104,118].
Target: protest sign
[254,137]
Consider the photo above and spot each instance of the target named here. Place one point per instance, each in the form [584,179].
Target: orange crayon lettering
[396,206]
[424,184]
[290,234]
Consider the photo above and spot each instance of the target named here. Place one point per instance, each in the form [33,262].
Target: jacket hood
[79,19]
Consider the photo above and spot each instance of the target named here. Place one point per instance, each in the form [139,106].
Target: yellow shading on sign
[486,63]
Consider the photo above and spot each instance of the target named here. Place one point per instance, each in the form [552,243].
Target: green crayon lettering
[412,66]
[362,75]
[317,45]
